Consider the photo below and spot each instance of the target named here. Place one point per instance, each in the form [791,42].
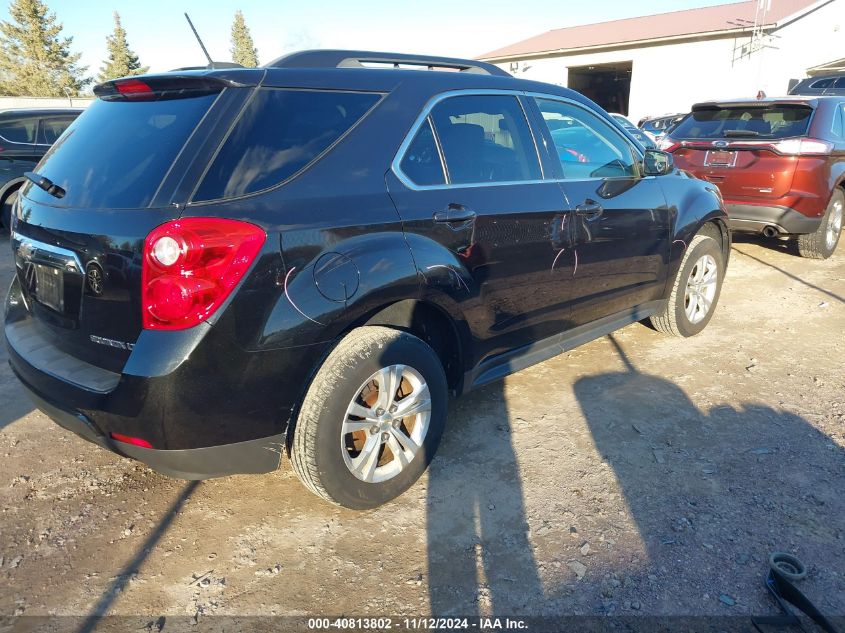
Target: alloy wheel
[834,225]
[386,423]
[701,288]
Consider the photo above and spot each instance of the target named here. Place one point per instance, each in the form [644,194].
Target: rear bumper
[262,455]
[752,218]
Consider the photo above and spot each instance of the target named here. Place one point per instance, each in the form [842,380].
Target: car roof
[333,69]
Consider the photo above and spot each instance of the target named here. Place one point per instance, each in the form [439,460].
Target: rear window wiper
[45,183]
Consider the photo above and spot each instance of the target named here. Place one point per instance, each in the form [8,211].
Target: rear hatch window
[280,133]
[770,121]
[116,155]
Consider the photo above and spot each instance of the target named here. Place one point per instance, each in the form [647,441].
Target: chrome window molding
[395,166]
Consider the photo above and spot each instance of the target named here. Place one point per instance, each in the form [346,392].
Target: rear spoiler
[172,86]
[754,103]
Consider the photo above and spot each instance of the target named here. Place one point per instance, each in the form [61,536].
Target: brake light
[802,146]
[128,439]
[190,267]
[135,90]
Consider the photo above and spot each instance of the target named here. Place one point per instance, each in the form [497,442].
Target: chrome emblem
[720,143]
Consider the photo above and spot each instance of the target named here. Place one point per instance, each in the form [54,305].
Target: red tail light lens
[667,145]
[128,439]
[135,90]
[191,266]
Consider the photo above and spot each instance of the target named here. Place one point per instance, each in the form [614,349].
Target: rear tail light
[191,266]
[128,439]
[802,147]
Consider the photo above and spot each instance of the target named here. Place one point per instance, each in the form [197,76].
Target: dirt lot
[636,475]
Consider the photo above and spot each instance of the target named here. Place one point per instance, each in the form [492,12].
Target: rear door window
[19,130]
[421,163]
[116,154]
[485,138]
[752,121]
[280,133]
[51,128]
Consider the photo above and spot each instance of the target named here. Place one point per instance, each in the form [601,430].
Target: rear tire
[822,243]
[6,213]
[330,458]
[696,290]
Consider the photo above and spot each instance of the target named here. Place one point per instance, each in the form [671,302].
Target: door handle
[454,214]
[589,209]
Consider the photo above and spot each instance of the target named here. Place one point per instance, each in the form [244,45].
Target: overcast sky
[158,33]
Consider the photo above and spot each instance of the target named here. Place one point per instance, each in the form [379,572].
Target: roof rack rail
[359,59]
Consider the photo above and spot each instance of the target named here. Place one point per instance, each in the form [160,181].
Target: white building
[660,64]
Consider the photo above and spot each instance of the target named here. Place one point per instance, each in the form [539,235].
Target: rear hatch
[121,169]
[747,149]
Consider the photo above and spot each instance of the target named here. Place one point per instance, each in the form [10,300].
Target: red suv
[779,163]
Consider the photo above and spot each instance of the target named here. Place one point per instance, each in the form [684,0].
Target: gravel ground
[637,475]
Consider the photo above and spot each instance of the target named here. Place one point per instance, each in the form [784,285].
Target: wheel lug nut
[379,411]
[396,423]
[374,429]
[384,437]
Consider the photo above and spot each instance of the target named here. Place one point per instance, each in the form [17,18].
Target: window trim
[443,169]
[528,94]
[396,167]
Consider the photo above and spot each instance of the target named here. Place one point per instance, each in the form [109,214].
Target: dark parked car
[321,252]
[818,86]
[658,126]
[779,163]
[25,135]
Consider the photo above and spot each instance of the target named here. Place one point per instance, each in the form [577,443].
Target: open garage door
[609,85]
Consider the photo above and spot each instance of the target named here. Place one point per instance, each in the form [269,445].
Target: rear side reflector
[128,439]
[191,266]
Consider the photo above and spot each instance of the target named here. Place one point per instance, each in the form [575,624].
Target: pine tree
[35,59]
[122,61]
[243,48]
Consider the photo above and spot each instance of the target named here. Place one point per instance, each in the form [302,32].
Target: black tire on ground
[673,319]
[316,449]
[6,212]
[819,245]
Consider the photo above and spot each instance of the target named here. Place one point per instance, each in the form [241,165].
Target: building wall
[8,103]
[671,77]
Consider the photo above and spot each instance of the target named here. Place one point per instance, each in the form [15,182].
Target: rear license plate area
[50,287]
[719,158]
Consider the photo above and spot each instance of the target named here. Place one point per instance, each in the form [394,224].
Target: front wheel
[372,418]
[822,243]
[696,290]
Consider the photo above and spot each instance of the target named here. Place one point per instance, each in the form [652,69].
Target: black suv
[311,256]
[25,135]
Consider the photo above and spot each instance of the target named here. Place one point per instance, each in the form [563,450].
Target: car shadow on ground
[714,493]
[711,494]
[794,277]
[479,557]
